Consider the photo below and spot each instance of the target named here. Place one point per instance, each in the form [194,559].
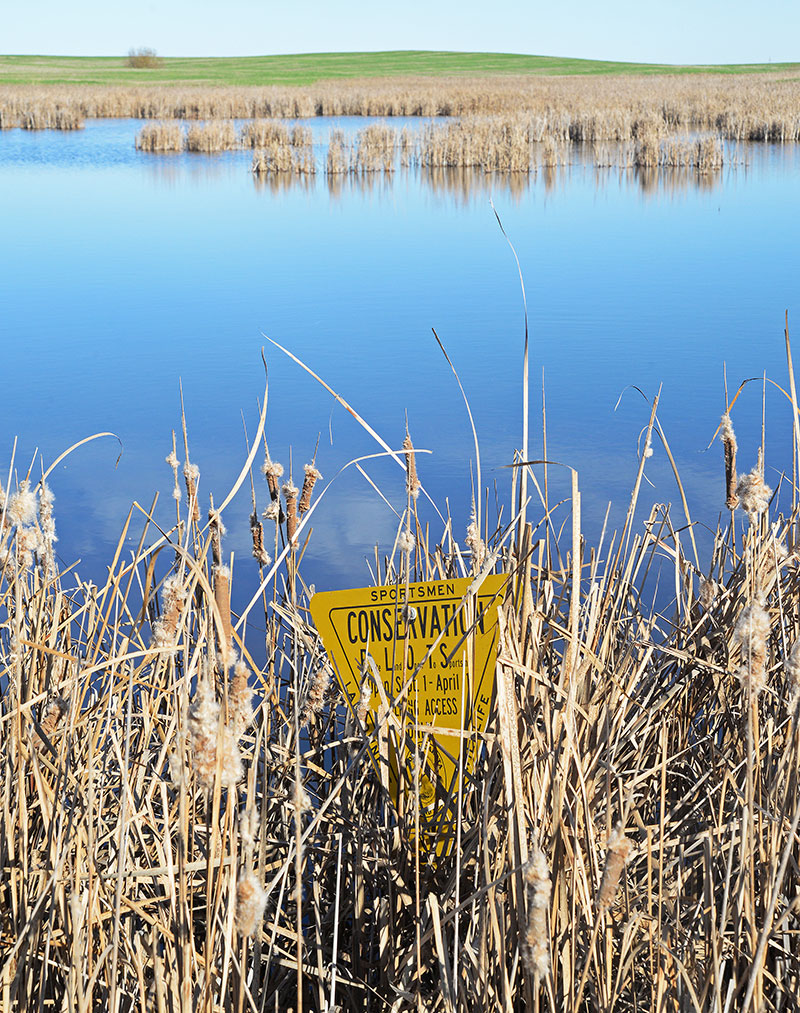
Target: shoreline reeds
[201,816]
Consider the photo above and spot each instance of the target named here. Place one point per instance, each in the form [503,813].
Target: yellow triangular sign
[425,653]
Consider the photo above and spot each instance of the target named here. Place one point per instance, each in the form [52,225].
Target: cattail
[406,541]
[754,495]
[290,493]
[216,529]
[173,597]
[620,850]
[251,899]
[222,596]
[273,511]
[191,474]
[48,528]
[750,633]
[52,716]
[231,770]
[240,699]
[21,507]
[413,484]
[272,472]
[260,554]
[203,732]
[475,543]
[536,945]
[729,446]
[791,668]
[312,476]
[708,592]
[302,803]
[364,701]
[315,695]
[174,463]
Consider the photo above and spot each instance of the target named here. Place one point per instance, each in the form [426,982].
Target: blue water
[122,273]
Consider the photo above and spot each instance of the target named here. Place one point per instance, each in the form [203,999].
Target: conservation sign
[417,664]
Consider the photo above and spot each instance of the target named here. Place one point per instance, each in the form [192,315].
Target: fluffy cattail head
[53,715]
[173,598]
[406,541]
[21,506]
[203,733]
[475,543]
[754,494]
[792,671]
[240,699]
[315,695]
[708,592]
[251,899]
[536,944]
[751,633]
[620,851]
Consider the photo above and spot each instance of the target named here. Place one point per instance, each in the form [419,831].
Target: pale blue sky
[656,31]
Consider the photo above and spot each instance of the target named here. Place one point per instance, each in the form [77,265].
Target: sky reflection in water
[122,272]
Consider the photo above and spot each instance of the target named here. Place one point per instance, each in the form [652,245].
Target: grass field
[306,68]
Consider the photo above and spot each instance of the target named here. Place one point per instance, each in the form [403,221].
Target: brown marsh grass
[219,135]
[191,823]
[762,108]
[161,137]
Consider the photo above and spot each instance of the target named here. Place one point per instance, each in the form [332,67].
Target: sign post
[424,655]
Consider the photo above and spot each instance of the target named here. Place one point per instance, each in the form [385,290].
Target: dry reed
[184,829]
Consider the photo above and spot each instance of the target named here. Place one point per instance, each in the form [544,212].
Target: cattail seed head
[191,474]
[52,715]
[260,554]
[413,484]
[753,493]
[475,543]
[21,507]
[173,598]
[751,633]
[364,701]
[273,511]
[620,851]
[240,699]
[312,476]
[290,493]
[273,472]
[251,899]
[708,592]
[315,695]
[791,669]
[203,733]
[729,447]
[406,541]
[222,596]
[536,944]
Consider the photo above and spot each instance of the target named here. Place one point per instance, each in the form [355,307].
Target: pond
[124,273]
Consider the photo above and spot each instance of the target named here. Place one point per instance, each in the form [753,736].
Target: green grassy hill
[305,68]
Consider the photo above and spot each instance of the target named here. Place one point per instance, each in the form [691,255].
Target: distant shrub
[143,57]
